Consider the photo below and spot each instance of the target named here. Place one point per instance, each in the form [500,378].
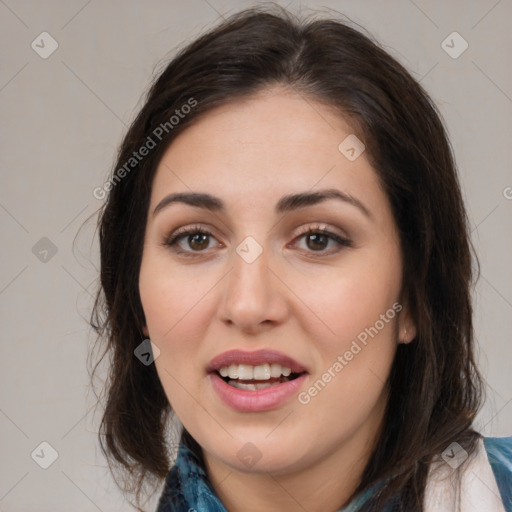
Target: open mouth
[255,384]
[256,381]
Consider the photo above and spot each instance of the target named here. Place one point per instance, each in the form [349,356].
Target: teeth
[250,387]
[275,370]
[262,372]
[233,371]
[249,372]
[245,372]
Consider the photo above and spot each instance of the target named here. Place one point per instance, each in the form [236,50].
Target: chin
[259,455]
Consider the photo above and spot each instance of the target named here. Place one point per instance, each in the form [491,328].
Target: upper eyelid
[190,228]
[322,227]
[315,226]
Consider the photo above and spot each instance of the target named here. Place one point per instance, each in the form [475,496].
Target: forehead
[273,143]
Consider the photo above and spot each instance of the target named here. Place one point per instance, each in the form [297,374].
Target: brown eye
[198,241]
[317,241]
[190,241]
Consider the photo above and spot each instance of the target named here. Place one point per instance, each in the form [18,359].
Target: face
[312,286]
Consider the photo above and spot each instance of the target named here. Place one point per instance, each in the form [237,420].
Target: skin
[307,300]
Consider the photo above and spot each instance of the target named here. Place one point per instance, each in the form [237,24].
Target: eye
[194,238]
[189,241]
[317,239]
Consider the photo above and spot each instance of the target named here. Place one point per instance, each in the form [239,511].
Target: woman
[286,266]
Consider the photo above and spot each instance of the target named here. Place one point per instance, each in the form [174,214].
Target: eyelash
[172,240]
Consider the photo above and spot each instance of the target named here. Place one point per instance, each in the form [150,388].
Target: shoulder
[499,453]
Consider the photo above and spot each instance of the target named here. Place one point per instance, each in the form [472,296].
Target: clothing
[486,484]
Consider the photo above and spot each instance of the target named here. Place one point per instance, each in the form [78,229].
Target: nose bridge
[252,295]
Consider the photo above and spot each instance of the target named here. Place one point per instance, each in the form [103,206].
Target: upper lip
[254,358]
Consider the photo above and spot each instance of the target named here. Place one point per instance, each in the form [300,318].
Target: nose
[254,296]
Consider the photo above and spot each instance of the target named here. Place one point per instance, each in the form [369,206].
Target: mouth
[254,395]
[252,378]
[244,378]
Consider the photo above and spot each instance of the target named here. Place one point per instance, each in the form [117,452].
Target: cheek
[356,337]
[174,305]
[356,341]
[173,301]
[347,301]
[178,309]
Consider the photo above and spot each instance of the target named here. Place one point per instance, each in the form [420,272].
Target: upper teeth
[249,372]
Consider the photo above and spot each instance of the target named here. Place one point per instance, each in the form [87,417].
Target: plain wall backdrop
[63,115]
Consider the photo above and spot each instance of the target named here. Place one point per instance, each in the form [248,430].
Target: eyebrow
[285,204]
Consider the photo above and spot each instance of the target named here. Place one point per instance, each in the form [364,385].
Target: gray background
[62,120]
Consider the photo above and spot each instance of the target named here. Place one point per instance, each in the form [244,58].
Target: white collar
[478,491]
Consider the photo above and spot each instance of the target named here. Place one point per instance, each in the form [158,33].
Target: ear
[145,331]
[406,325]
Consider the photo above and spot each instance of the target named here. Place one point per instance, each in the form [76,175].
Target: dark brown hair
[435,388]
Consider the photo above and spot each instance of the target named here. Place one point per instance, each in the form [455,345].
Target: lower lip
[256,400]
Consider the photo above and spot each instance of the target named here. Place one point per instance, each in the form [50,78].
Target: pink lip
[254,359]
[259,400]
